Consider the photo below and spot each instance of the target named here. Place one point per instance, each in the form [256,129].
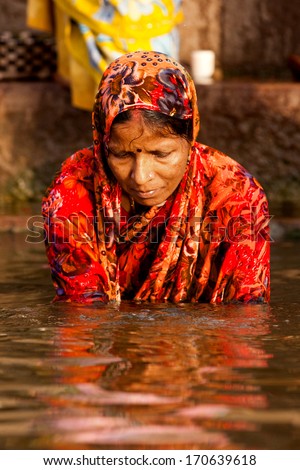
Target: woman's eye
[162,154]
[121,155]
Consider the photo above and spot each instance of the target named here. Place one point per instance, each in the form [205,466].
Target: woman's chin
[149,202]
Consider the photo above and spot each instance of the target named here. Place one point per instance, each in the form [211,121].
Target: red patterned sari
[209,242]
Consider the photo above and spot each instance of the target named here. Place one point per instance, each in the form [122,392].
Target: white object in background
[203,66]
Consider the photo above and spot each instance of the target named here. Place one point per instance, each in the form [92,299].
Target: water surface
[142,376]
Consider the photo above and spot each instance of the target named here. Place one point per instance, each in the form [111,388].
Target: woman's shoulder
[79,163]
[215,160]
[79,167]
[224,174]
[73,186]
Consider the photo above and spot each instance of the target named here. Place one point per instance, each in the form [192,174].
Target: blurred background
[250,109]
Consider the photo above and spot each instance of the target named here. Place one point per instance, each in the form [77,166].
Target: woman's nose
[142,170]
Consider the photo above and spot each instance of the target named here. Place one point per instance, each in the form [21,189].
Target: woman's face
[148,164]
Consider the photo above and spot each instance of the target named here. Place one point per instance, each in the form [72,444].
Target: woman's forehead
[136,128]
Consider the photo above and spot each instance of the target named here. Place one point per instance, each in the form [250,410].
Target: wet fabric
[209,242]
[91,33]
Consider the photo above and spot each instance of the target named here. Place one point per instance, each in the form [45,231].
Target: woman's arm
[71,239]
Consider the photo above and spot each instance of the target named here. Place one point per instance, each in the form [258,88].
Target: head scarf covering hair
[144,80]
[207,242]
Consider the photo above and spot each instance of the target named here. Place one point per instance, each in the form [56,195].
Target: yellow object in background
[90,34]
[40,14]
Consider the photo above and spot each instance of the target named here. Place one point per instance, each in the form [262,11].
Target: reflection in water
[161,370]
[144,376]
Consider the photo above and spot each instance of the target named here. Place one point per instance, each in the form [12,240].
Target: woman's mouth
[145,194]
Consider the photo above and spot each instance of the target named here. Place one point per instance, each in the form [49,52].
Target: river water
[140,376]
